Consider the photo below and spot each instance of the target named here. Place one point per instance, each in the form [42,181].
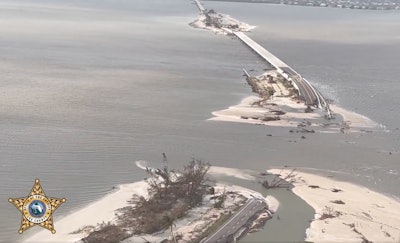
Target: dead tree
[282,182]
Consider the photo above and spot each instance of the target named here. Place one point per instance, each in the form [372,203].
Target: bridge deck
[200,6]
[268,56]
[306,91]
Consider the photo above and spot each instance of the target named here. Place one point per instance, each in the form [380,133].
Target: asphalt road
[306,91]
[235,222]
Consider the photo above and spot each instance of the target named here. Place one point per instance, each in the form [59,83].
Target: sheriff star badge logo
[37,208]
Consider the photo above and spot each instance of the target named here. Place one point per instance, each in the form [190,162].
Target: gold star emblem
[37,209]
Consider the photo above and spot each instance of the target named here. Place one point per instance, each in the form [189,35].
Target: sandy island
[78,225]
[216,22]
[81,223]
[346,212]
[277,104]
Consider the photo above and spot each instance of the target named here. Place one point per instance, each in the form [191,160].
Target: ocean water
[88,88]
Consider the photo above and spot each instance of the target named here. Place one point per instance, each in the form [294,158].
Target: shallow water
[89,88]
[293,213]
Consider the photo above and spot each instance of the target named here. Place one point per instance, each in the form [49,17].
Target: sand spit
[90,216]
[346,212]
[247,111]
[216,22]
[233,172]
[354,119]
[279,105]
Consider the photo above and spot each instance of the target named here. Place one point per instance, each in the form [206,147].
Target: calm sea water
[88,88]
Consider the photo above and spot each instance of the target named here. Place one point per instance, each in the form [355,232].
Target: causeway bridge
[307,92]
[200,6]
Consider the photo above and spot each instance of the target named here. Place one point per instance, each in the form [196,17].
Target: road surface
[236,222]
[200,6]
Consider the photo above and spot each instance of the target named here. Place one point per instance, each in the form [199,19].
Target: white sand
[294,113]
[142,164]
[374,215]
[273,203]
[98,212]
[354,119]
[245,108]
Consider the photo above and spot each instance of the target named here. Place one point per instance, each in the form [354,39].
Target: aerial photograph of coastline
[137,121]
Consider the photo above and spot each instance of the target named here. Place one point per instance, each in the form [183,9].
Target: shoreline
[350,6]
[77,225]
[90,215]
[347,218]
[245,111]
[345,211]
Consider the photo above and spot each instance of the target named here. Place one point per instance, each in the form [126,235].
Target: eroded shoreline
[343,211]
[198,220]
[346,212]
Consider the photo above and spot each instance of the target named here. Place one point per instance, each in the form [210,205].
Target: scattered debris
[329,213]
[345,127]
[282,182]
[338,202]
[270,118]
[308,109]
[364,239]
[277,112]
[304,124]
[367,215]
[301,130]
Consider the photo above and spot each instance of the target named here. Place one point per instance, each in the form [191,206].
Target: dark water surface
[88,88]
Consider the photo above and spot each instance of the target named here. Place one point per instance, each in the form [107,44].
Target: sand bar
[359,213]
[234,172]
[354,119]
[294,113]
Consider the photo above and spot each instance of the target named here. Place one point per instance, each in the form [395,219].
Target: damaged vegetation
[171,195]
[329,213]
[268,86]
[279,181]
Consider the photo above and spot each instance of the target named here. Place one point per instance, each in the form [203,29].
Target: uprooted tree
[188,184]
[280,181]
